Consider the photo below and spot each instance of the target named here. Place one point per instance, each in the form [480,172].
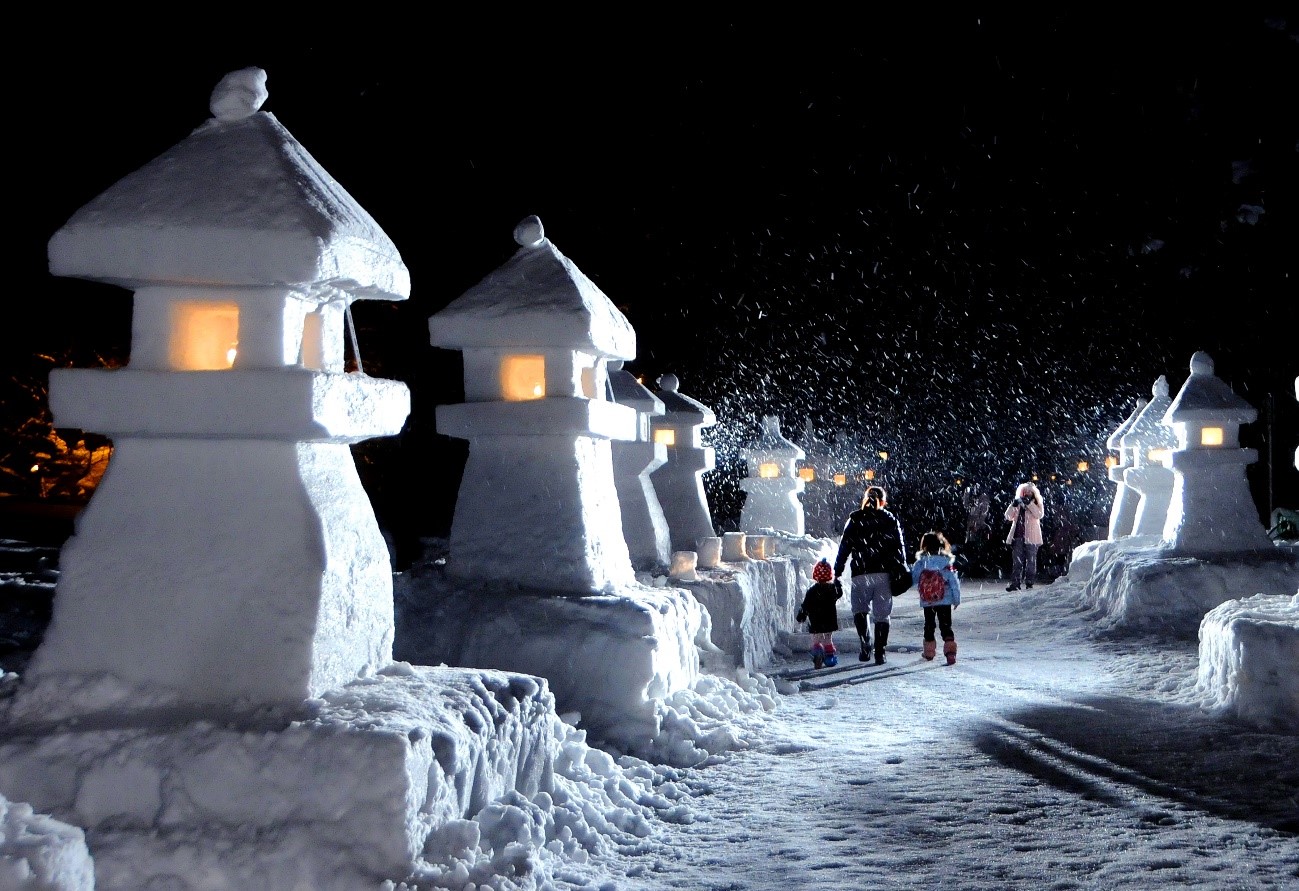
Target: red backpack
[932,587]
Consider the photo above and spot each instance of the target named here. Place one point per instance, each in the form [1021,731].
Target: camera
[1019,502]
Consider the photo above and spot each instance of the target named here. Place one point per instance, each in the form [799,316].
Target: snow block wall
[243,803]
[1248,651]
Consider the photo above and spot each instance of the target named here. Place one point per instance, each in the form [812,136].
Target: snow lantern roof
[1148,430]
[538,298]
[1115,440]
[772,442]
[1205,396]
[238,202]
[629,391]
[682,409]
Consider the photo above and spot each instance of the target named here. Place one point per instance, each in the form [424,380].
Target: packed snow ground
[1047,757]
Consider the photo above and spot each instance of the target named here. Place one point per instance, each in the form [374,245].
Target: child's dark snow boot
[818,656]
[881,640]
[949,650]
[831,656]
[931,650]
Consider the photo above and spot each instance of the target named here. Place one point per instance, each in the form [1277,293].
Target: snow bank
[1248,652]
[40,853]
[1136,588]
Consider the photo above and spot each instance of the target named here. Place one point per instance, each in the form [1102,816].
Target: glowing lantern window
[523,378]
[1211,436]
[1111,461]
[1157,456]
[884,456]
[204,336]
[868,475]
[807,474]
[841,479]
[666,436]
[1083,466]
[768,470]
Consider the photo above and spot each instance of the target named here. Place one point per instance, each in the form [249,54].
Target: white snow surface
[1057,752]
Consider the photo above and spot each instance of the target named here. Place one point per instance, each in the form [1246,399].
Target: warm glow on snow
[523,378]
[204,336]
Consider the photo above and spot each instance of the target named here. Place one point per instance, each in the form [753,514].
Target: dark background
[972,240]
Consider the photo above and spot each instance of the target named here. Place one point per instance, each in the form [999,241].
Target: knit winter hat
[822,571]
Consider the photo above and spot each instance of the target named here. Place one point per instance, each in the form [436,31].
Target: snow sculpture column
[538,504]
[644,527]
[1123,512]
[1149,441]
[1212,511]
[679,482]
[231,554]
[772,486]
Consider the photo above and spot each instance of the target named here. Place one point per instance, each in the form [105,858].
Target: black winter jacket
[819,607]
[872,537]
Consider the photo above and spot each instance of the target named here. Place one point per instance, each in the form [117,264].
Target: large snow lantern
[680,481]
[231,553]
[645,528]
[1211,511]
[773,485]
[1123,510]
[538,504]
[1150,442]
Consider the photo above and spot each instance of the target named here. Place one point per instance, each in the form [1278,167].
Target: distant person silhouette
[1025,536]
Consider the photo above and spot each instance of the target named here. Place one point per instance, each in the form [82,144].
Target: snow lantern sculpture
[680,481]
[538,504]
[1212,511]
[817,471]
[231,553]
[773,485]
[1123,512]
[1150,442]
[644,527]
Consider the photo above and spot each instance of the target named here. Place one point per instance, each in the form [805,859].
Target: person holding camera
[1025,537]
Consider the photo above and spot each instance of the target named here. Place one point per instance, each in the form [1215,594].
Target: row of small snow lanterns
[807,473]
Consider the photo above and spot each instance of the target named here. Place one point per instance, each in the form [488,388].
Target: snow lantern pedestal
[680,481]
[773,485]
[223,621]
[539,576]
[1210,522]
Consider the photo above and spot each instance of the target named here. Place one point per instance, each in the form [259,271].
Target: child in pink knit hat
[820,611]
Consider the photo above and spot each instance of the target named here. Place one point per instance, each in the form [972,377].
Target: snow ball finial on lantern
[1160,388]
[669,382]
[240,94]
[1201,363]
[530,232]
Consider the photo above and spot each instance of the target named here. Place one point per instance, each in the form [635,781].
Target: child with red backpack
[819,609]
[940,592]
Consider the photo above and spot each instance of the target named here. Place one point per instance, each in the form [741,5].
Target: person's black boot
[859,619]
[881,640]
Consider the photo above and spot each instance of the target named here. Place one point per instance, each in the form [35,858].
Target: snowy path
[1040,760]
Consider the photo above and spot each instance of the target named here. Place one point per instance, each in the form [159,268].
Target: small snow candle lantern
[841,479]
[1083,466]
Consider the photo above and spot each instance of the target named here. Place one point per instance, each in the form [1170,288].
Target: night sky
[973,241]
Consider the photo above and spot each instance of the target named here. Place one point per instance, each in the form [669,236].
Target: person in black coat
[872,545]
[821,611]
